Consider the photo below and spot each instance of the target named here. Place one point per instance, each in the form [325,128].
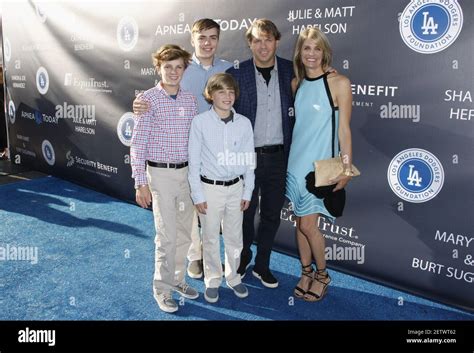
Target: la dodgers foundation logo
[125,128]
[127,33]
[48,152]
[11,112]
[430,26]
[42,80]
[7,49]
[415,175]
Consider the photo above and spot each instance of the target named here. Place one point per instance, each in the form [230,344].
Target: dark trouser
[270,181]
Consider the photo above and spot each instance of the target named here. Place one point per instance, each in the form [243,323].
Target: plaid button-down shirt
[161,134]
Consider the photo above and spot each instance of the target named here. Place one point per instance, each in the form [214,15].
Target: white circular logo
[429,27]
[415,175]
[48,152]
[125,128]
[11,112]
[127,33]
[7,49]
[42,80]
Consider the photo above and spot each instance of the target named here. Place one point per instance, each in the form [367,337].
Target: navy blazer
[246,104]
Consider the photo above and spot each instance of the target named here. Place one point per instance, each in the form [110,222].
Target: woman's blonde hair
[321,41]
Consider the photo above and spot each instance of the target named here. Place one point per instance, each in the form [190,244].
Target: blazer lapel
[252,90]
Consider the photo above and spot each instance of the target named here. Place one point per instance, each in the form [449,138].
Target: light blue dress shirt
[195,78]
[220,151]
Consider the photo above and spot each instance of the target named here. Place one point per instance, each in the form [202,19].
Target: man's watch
[138,186]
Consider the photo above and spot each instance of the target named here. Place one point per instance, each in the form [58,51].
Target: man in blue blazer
[266,100]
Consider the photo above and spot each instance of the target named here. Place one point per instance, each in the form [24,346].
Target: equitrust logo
[429,27]
[90,84]
[415,175]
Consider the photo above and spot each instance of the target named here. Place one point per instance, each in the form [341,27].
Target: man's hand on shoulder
[140,106]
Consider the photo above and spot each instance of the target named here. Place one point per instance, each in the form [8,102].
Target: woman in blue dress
[320,97]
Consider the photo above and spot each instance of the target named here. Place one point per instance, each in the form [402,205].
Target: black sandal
[318,275]
[299,292]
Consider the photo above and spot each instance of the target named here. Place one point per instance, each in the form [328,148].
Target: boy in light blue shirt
[221,175]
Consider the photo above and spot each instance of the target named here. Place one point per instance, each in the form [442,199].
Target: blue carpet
[95,262]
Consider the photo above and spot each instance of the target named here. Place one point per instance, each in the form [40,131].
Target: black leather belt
[220,182]
[269,149]
[167,165]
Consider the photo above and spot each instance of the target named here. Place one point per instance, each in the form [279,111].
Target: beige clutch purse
[327,169]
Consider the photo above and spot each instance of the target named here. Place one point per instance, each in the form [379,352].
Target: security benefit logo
[415,175]
[431,26]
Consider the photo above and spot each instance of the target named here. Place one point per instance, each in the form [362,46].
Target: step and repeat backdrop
[72,70]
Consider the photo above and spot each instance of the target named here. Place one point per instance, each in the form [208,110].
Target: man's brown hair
[265,26]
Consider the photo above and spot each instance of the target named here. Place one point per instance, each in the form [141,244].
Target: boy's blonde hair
[220,81]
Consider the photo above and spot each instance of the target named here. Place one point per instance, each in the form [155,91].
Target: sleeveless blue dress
[312,140]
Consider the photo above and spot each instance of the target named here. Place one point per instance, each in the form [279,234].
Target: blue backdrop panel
[72,70]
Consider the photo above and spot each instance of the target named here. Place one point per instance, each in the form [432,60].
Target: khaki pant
[173,214]
[223,204]
[195,250]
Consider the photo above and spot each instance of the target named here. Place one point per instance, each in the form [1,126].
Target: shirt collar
[218,118]
[196,61]
[160,88]
[275,67]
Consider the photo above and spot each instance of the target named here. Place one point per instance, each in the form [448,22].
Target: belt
[220,182]
[167,165]
[269,149]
